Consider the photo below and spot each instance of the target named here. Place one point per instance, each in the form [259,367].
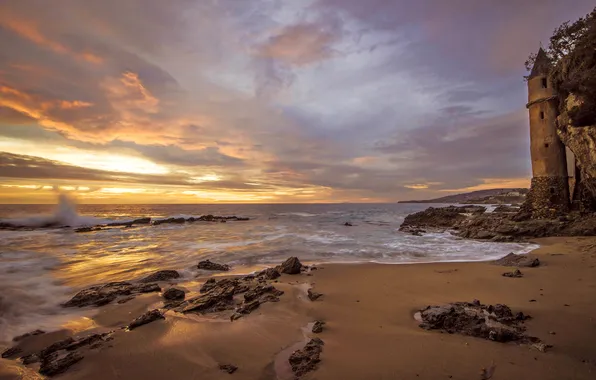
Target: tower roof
[542,64]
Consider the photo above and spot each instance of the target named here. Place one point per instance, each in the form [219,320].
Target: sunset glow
[209,102]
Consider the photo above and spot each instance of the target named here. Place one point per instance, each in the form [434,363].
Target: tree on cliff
[572,50]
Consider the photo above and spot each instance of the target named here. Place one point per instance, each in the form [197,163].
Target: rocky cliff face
[582,142]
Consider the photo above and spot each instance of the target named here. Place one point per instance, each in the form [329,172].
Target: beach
[369,332]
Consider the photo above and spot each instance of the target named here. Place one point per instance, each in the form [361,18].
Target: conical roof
[542,64]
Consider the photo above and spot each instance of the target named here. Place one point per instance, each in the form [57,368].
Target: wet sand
[370,332]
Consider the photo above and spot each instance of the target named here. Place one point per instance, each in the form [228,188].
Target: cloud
[300,44]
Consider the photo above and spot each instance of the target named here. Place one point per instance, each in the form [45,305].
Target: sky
[208,101]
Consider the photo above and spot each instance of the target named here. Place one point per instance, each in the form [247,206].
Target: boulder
[269,274]
[435,218]
[229,368]
[291,266]
[148,317]
[162,275]
[513,260]
[208,265]
[12,351]
[56,364]
[496,323]
[100,295]
[174,294]
[312,295]
[306,360]
[317,328]
[515,274]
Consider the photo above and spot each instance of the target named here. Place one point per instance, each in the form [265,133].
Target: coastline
[370,331]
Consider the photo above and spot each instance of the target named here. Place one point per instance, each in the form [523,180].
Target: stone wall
[548,198]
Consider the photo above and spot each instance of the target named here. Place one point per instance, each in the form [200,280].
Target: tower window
[541,115]
[544,83]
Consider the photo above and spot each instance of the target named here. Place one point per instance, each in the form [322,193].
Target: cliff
[490,196]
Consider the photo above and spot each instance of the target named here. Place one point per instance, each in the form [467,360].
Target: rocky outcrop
[438,218]
[515,274]
[317,327]
[312,295]
[269,274]
[229,368]
[496,323]
[104,294]
[162,275]
[306,360]
[208,265]
[174,294]
[27,335]
[148,317]
[505,208]
[291,266]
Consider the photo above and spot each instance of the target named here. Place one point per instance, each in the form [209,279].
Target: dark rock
[162,275]
[87,341]
[30,359]
[291,266]
[306,360]
[13,351]
[515,274]
[60,345]
[27,335]
[126,299]
[505,208]
[269,273]
[318,327]
[513,260]
[490,322]
[208,285]
[148,317]
[87,229]
[54,365]
[174,294]
[348,224]
[218,298]
[100,295]
[169,221]
[259,290]
[229,368]
[312,295]
[437,218]
[208,265]
[142,221]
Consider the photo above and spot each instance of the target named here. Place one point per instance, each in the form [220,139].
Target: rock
[218,298]
[229,368]
[162,275]
[208,265]
[30,359]
[87,341]
[505,208]
[496,323]
[60,345]
[513,260]
[208,285]
[142,221]
[312,295]
[269,273]
[291,266]
[541,346]
[13,351]
[126,299]
[306,360]
[87,229]
[318,327]
[104,294]
[435,218]
[56,364]
[174,294]
[169,221]
[148,317]
[32,333]
[484,235]
[259,290]
[515,274]
[348,224]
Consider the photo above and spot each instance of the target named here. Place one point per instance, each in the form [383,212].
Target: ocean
[41,268]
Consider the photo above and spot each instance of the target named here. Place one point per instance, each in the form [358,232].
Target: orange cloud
[299,44]
[29,30]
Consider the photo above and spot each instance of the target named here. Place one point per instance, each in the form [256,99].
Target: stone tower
[549,192]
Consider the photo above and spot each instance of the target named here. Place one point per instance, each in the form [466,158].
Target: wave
[65,215]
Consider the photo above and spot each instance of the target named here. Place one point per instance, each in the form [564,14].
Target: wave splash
[65,215]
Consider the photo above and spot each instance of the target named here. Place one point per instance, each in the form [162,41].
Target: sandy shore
[370,332]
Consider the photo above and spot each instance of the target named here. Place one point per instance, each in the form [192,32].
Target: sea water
[43,267]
